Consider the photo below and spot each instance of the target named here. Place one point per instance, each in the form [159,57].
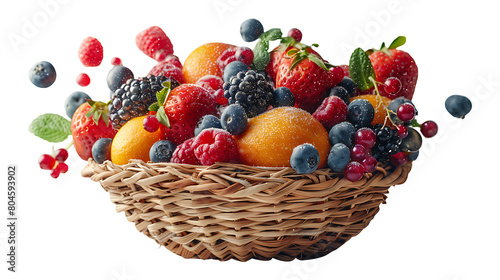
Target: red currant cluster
[55,162]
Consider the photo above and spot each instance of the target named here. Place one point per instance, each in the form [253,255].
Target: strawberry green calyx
[162,97]
[398,42]
[98,110]
[299,55]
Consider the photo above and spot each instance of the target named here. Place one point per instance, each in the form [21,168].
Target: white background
[443,223]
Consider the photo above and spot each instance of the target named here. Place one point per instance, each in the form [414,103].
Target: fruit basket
[233,211]
[245,154]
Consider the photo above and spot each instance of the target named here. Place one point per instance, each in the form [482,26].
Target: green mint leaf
[162,117]
[154,107]
[162,95]
[261,55]
[361,69]
[271,35]
[398,42]
[51,127]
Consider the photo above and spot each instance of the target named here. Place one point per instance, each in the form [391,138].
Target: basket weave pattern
[233,211]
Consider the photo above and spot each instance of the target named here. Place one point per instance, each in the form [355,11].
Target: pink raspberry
[170,67]
[184,153]
[242,54]
[332,111]
[90,52]
[210,82]
[154,43]
[215,145]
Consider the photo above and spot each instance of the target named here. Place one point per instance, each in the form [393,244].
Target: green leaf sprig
[361,69]
[51,127]
[261,49]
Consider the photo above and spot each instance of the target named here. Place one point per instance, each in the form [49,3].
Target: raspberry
[169,67]
[184,153]
[215,145]
[242,54]
[154,43]
[90,52]
[332,111]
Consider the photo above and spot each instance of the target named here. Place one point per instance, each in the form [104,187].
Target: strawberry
[154,43]
[274,63]
[304,72]
[391,62]
[90,52]
[90,123]
[184,107]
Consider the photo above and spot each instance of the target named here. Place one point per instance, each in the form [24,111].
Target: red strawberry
[185,105]
[154,43]
[90,52]
[89,124]
[391,62]
[275,60]
[300,71]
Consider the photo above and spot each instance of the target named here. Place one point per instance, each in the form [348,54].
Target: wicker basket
[232,211]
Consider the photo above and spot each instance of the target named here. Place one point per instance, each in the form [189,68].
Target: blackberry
[134,97]
[250,90]
[387,144]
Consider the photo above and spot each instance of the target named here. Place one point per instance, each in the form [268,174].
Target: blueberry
[412,142]
[207,121]
[251,29]
[339,157]
[458,106]
[412,156]
[304,159]
[342,133]
[283,97]
[394,105]
[349,85]
[234,68]
[161,151]
[101,150]
[234,119]
[74,101]
[117,76]
[42,74]
[360,113]
[340,92]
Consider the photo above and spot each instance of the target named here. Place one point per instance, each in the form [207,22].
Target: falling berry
[46,162]
[83,79]
[296,34]
[115,61]
[429,129]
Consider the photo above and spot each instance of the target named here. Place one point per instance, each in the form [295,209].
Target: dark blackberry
[134,97]
[250,90]
[387,144]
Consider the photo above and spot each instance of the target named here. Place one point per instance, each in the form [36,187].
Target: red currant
[399,158]
[429,129]
[406,112]
[46,162]
[116,61]
[55,173]
[151,123]
[365,137]
[62,167]
[354,171]
[358,153]
[392,85]
[296,34]
[61,155]
[402,131]
[83,79]
[370,164]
